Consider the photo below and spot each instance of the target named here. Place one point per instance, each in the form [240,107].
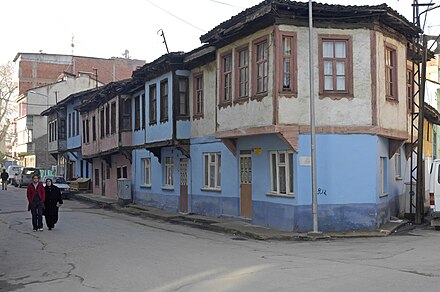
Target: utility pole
[162,34]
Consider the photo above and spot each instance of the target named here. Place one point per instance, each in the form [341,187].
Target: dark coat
[53,196]
[31,191]
[5,175]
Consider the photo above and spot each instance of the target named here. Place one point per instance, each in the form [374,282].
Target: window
[391,72]
[164,101]
[121,172]
[226,79]
[287,59]
[126,114]
[73,124]
[383,176]
[53,131]
[94,128]
[183,97]
[146,175]
[261,65]
[85,131]
[212,170]
[242,73]
[69,128]
[96,177]
[168,172]
[63,129]
[77,123]
[144,106]
[137,113]
[113,118]
[398,165]
[87,135]
[198,95]
[282,173]
[107,120]
[409,89]
[335,65]
[102,123]
[153,104]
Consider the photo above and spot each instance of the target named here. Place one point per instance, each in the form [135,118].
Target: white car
[61,183]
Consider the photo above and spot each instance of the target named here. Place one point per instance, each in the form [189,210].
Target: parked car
[25,176]
[61,183]
[13,171]
[434,193]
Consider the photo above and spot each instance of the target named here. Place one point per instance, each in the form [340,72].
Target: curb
[232,227]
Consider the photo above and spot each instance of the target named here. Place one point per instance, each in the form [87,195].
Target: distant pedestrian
[5,177]
[36,196]
[52,203]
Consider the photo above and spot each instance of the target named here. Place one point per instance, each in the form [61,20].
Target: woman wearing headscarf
[52,203]
[36,197]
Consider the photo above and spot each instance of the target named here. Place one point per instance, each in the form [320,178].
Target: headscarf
[51,183]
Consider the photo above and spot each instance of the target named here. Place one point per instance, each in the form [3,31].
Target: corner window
[282,173]
[126,114]
[94,128]
[107,119]
[121,172]
[391,72]
[212,170]
[398,165]
[287,59]
[409,89]
[168,172]
[144,110]
[113,118]
[335,65]
[153,104]
[183,97]
[261,66]
[102,126]
[164,101]
[137,113]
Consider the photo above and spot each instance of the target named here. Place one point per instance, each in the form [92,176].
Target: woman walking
[36,196]
[52,203]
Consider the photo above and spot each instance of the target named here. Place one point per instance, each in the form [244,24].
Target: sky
[107,29]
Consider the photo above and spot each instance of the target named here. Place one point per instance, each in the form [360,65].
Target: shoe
[34,230]
[49,228]
[40,229]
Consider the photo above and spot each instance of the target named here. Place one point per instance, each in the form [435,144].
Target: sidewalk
[232,226]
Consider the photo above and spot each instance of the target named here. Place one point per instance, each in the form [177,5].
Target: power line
[227,4]
[166,11]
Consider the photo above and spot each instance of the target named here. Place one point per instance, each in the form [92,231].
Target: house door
[246,185]
[184,185]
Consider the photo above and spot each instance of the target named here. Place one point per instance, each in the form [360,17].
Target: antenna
[72,44]
[164,40]
[126,54]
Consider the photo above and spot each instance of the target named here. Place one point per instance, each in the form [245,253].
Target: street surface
[92,249]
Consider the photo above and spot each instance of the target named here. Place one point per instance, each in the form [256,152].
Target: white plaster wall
[253,113]
[344,112]
[205,126]
[391,115]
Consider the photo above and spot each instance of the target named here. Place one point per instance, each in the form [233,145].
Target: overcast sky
[107,28]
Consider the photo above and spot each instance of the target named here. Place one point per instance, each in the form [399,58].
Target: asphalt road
[97,250]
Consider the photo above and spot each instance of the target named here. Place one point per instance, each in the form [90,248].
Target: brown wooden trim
[195,114]
[253,93]
[373,65]
[237,72]
[393,146]
[334,94]
[393,48]
[231,144]
[279,58]
[222,103]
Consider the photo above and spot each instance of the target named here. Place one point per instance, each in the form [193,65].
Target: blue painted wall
[139,136]
[75,140]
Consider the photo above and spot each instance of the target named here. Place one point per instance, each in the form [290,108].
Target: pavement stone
[234,226]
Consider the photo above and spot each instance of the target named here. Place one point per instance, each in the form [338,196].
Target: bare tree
[7,90]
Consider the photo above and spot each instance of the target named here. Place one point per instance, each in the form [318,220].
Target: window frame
[94,136]
[383,171]
[102,126]
[168,166]
[409,88]
[107,119]
[238,68]
[125,124]
[152,103]
[207,162]
[289,166]
[223,74]
[334,93]
[196,92]
[186,98]
[293,90]
[255,62]
[143,105]
[393,95]
[398,165]
[113,114]
[164,101]
[137,112]
[146,181]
